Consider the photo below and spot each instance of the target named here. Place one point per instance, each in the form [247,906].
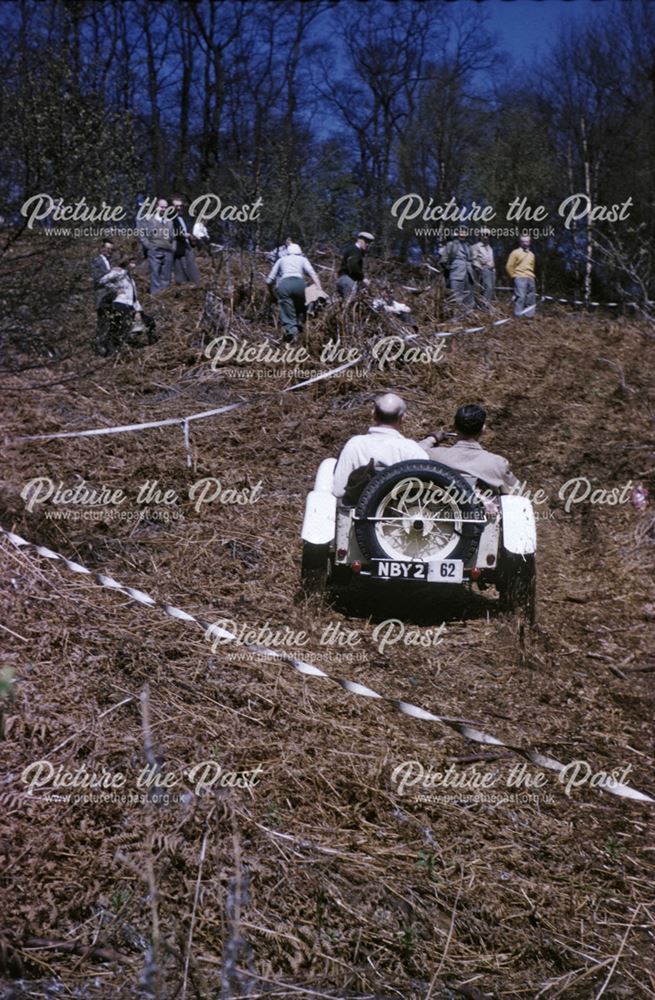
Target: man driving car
[365,454]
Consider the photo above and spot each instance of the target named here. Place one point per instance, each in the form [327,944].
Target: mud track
[322,877]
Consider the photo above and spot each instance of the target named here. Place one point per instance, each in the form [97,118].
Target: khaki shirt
[470,458]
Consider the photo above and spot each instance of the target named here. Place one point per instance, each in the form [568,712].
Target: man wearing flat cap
[351,270]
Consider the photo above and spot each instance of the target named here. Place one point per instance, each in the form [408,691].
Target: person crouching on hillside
[289,272]
[126,319]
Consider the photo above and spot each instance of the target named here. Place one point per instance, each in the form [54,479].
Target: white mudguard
[321,507]
[518,525]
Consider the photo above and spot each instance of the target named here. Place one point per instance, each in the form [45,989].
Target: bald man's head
[389,409]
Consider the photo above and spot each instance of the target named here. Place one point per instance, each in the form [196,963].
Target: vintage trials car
[419,522]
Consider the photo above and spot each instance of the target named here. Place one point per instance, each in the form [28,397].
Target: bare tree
[217,26]
[376,96]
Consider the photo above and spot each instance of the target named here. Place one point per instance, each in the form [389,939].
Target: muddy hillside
[268,832]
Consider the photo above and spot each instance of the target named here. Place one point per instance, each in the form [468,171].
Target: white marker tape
[353,687]
[184,421]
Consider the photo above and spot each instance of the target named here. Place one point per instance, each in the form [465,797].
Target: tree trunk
[589,223]
[153,91]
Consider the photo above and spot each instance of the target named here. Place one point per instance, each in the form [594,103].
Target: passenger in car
[468,456]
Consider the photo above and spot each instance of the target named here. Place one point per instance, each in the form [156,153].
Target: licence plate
[445,571]
[388,569]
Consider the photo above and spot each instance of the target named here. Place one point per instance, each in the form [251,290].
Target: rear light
[490,559]
[356,566]
[341,553]
[475,573]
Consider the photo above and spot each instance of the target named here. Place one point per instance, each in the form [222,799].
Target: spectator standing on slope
[457,259]
[159,240]
[184,259]
[351,269]
[484,266]
[520,268]
[100,266]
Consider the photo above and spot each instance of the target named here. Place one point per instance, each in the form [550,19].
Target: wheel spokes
[398,534]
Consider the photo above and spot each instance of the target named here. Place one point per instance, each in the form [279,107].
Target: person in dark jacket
[186,269]
[351,270]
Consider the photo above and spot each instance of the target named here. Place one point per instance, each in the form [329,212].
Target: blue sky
[526,28]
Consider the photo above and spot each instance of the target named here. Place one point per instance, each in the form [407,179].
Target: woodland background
[330,110]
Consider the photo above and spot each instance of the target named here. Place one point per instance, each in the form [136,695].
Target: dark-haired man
[383,445]
[186,269]
[468,456]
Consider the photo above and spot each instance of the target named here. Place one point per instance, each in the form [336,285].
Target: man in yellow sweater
[520,268]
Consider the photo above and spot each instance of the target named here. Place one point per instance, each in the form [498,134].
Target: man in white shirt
[289,272]
[484,266]
[201,235]
[383,445]
[100,266]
